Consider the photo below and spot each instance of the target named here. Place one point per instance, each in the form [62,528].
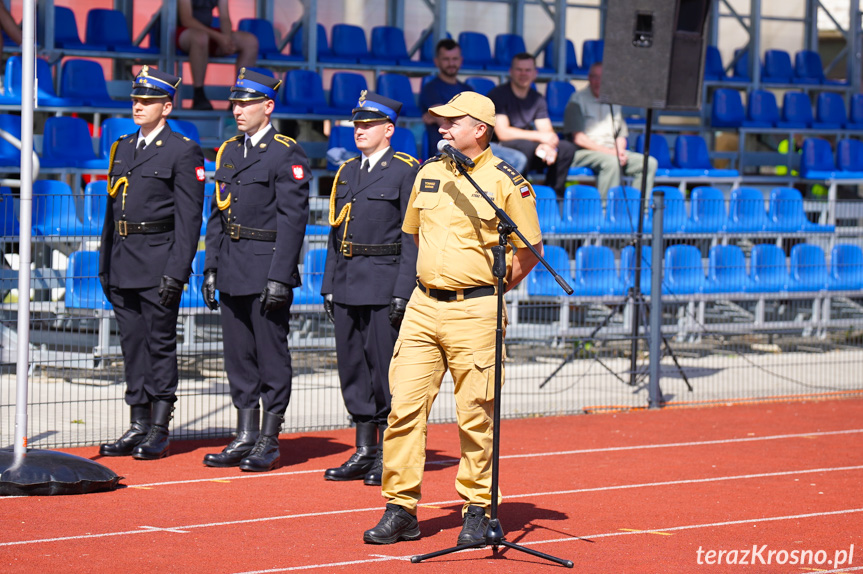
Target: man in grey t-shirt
[600,135]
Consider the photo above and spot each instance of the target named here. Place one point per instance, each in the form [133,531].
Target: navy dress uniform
[256,230]
[370,274]
[152,226]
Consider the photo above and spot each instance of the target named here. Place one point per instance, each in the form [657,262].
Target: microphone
[454,154]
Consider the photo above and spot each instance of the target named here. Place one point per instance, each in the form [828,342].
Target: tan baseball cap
[470,104]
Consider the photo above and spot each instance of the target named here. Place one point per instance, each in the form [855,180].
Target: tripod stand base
[493,538]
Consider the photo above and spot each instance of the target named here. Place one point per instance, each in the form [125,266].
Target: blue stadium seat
[627,267]
[95,204]
[714,71]
[403,140]
[345,90]
[67,143]
[768,270]
[849,157]
[740,70]
[389,42]
[309,293]
[54,211]
[816,160]
[267,48]
[746,212]
[683,271]
[45,91]
[785,213]
[808,269]
[706,211]
[557,94]
[846,268]
[571,60]
[830,112]
[690,152]
[796,111]
[777,68]
[547,209]
[350,46]
[659,151]
[476,52]
[727,109]
[109,28]
[304,93]
[540,283]
[505,47]
[341,136]
[621,210]
[582,209]
[83,290]
[317,229]
[674,216]
[207,212]
[591,53]
[398,87]
[324,53]
[595,272]
[85,80]
[428,47]
[113,129]
[10,156]
[192,297]
[808,69]
[9,226]
[480,85]
[855,112]
[762,110]
[185,128]
[726,270]
[66,34]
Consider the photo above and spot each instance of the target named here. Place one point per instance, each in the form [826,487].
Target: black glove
[208,289]
[397,311]
[329,307]
[170,291]
[276,295]
[103,279]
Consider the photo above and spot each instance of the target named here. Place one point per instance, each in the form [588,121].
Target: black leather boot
[156,445]
[248,431]
[356,467]
[141,421]
[264,455]
[375,474]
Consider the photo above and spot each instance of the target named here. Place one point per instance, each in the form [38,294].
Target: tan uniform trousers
[436,336]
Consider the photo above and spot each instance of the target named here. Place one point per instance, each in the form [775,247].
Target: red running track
[676,490]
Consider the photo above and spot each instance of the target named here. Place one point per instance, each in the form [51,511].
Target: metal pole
[637,298]
[654,394]
[28,64]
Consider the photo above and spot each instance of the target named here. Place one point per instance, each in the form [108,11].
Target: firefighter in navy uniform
[151,231]
[259,215]
[369,276]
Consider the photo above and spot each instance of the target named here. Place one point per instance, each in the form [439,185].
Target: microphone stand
[494,533]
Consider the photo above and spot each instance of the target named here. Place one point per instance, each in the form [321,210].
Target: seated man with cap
[254,237]
[151,231]
[369,276]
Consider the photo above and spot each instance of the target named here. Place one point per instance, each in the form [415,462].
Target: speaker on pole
[654,53]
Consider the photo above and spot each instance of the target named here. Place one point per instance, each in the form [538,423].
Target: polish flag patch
[199,173]
[298,171]
[525,191]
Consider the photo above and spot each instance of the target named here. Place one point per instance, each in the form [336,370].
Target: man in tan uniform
[451,318]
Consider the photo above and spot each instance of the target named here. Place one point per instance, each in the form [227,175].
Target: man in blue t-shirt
[441,89]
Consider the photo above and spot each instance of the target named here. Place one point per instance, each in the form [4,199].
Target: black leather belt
[469,293]
[125,228]
[349,248]
[237,231]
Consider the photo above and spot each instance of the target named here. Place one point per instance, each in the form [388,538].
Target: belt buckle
[347,248]
[123,228]
[234,230]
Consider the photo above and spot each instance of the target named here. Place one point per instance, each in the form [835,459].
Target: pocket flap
[385,193]
[156,171]
[484,358]
[255,177]
[426,200]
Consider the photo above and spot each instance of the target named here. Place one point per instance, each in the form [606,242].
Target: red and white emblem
[199,173]
[298,171]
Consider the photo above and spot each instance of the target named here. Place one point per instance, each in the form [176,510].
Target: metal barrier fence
[731,338]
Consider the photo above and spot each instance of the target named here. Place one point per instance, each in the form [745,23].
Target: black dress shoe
[396,524]
[475,525]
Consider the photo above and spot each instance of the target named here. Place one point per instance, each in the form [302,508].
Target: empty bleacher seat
[9,226]
[309,293]
[85,80]
[304,93]
[476,52]
[591,53]
[762,110]
[547,209]
[849,158]
[808,268]
[816,161]
[10,155]
[54,211]
[746,212]
[83,290]
[706,211]
[660,152]
[113,129]
[557,95]
[345,90]
[350,47]
[727,109]
[66,143]
[740,69]
[674,215]
[855,112]
[185,128]
[298,44]
[713,68]
[726,270]
[389,42]
[109,28]
[690,152]
[45,93]
[66,34]
[627,267]
[541,283]
[403,140]
[571,62]
[683,271]
[480,85]
[341,137]
[582,209]
[830,112]
[427,50]
[846,268]
[785,213]
[796,111]
[506,46]
[808,69]
[95,204]
[768,269]
[621,210]
[595,272]
[777,67]
[398,87]
[267,48]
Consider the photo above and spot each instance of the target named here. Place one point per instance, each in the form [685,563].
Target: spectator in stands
[151,231]
[599,132]
[523,123]
[197,37]
[8,25]
[442,88]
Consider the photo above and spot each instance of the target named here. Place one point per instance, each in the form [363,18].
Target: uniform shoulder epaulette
[122,137]
[511,172]
[407,158]
[432,159]
[284,140]
[181,136]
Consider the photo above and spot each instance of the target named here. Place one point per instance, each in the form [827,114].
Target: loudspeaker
[654,53]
